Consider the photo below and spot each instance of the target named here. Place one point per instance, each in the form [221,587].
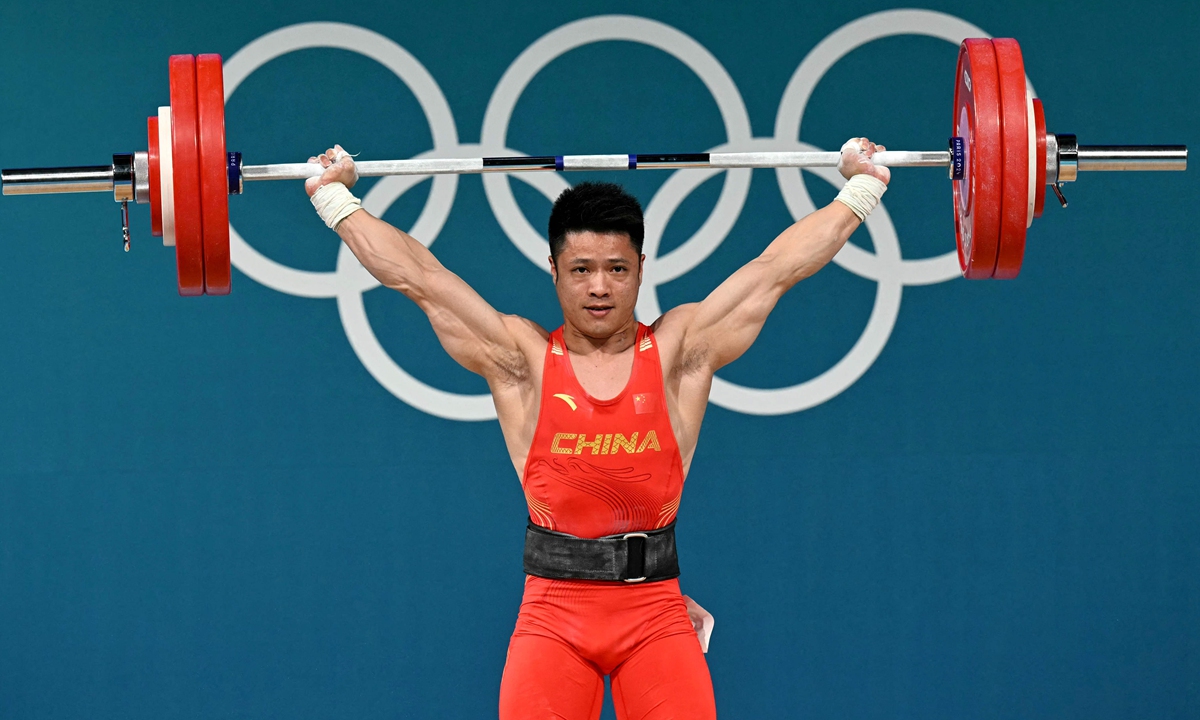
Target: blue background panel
[212,508]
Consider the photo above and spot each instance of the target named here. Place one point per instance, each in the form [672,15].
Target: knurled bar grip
[1099,157]
[458,166]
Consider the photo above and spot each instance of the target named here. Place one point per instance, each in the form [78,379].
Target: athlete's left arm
[717,330]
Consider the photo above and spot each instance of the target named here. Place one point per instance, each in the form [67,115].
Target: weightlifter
[601,419]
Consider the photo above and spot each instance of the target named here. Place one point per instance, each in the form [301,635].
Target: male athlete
[601,418]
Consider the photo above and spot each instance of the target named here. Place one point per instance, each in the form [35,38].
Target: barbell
[1000,159]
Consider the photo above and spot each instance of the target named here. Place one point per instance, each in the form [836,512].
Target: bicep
[727,322]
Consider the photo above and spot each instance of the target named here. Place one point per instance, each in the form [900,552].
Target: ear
[641,266]
[553,270]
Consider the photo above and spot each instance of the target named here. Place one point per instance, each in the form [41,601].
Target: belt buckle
[626,536]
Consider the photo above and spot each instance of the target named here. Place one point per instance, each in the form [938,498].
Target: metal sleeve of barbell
[548,163]
[1132,157]
[46,181]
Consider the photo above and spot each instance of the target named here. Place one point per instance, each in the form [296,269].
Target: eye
[619,268]
[579,270]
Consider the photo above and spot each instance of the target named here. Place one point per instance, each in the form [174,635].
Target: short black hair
[599,208]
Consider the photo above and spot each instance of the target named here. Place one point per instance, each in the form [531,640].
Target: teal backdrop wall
[984,505]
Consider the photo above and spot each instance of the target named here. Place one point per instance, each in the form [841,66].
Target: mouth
[598,311]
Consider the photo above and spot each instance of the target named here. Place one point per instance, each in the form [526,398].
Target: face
[597,276]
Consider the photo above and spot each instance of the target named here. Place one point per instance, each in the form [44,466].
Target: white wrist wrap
[861,194]
[334,203]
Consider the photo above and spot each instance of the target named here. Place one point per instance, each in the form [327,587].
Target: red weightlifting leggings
[571,633]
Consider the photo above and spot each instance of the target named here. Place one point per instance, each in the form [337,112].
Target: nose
[599,286]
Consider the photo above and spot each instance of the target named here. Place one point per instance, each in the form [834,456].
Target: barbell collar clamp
[1058,193]
[141,177]
[122,178]
[1068,157]
[1051,159]
[125,223]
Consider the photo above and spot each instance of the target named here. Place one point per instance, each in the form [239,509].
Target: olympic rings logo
[349,280]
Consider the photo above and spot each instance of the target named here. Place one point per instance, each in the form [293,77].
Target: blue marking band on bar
[558,163]
[633,162]
[958,156]
[233,171]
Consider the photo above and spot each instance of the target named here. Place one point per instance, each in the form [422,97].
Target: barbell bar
[102,178]
[1000,158]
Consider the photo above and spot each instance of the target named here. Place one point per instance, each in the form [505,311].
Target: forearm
[391,255]
[394,257]
[808,245]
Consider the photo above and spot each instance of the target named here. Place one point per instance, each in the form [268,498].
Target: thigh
[545,678]
[666,678]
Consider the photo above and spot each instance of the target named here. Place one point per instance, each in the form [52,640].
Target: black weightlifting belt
[630,557]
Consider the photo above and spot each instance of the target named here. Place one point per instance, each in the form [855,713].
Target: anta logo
[567,399]
[603,444]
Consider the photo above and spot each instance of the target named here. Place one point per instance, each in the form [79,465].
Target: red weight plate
[155,180]
[1014,111]
[1039,117]
[977,195]
[214,178]
[189,243]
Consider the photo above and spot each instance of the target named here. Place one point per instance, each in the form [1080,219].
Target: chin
[602,327]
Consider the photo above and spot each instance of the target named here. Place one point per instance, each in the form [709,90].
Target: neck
[579,343]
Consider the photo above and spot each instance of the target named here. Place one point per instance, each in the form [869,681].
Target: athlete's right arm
[477,336]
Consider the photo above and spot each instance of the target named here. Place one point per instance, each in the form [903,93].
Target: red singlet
[602,467]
